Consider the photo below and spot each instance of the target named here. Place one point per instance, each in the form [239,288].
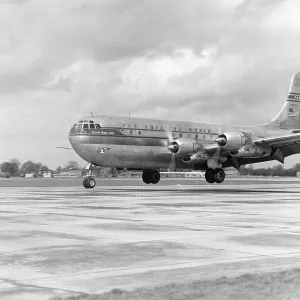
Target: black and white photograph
[150,149]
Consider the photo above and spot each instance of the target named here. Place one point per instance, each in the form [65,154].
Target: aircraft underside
[149,160]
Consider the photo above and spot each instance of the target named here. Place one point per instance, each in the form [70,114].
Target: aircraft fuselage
[143,143]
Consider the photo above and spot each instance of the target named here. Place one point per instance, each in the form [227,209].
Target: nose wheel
[151,176]
[214,175]
[89,182]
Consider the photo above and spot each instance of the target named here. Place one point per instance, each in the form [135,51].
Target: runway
[58,238]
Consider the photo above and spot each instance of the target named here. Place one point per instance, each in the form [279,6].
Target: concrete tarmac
[57,238]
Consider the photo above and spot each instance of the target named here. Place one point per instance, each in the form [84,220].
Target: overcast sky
[207,60]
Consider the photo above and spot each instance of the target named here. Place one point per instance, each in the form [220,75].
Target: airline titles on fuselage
[143,130]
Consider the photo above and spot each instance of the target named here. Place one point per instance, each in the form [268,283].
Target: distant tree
[10,169]
[30,167]
[72,165]
[58,169]
[42,168]
[16,162]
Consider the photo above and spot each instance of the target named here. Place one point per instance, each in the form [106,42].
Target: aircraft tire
[84,183]
[155,177]
[146,177]
[89,183]
[219,175]
[209,175]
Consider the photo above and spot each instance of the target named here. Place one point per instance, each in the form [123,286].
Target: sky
[216,61]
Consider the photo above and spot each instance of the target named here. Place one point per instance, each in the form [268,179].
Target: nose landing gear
[214,175]
[151,176]
[89,182]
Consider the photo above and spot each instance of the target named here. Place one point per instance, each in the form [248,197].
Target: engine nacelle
[184,146]
[239,144]
[232,141]
[252,151]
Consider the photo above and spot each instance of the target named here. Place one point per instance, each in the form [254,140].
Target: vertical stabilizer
[288,117]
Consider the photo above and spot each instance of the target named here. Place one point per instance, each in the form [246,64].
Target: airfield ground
[180,239]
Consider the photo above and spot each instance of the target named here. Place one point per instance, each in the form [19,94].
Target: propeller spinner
[173,147]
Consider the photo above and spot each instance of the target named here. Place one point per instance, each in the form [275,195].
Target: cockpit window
[87,124]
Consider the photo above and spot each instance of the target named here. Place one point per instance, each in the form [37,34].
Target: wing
[278,141]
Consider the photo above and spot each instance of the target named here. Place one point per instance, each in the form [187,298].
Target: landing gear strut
[214,175]
[151,176]
[89,182]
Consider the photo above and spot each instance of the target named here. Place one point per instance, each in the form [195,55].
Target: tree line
[271,171]
[15,168]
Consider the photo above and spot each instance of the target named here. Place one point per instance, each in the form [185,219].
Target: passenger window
[86,126]
[180,135]
[91,121]
[92,126]
[151,127]
[135,126]
[97,126]
[131,132]
[196,136]
[140,132]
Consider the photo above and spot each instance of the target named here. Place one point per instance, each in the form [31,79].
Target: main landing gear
[89,182]
[151,176]
[214,175]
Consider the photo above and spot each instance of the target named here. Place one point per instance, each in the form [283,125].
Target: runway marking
[202,224]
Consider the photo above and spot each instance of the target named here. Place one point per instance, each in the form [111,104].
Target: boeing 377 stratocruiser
[151,145]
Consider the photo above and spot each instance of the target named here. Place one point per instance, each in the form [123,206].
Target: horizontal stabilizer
[66,148]
[283,140]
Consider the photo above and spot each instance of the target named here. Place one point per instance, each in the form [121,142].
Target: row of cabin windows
[131,132]
[156,127]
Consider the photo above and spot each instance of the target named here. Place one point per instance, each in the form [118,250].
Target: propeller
[221,140]
[172,148]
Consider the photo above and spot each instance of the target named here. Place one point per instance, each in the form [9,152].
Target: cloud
[215,61]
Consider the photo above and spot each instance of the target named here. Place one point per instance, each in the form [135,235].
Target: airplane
[150,145]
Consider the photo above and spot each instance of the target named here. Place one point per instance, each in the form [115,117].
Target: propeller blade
[172,165]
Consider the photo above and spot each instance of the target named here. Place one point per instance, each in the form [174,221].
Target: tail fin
[289,116]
